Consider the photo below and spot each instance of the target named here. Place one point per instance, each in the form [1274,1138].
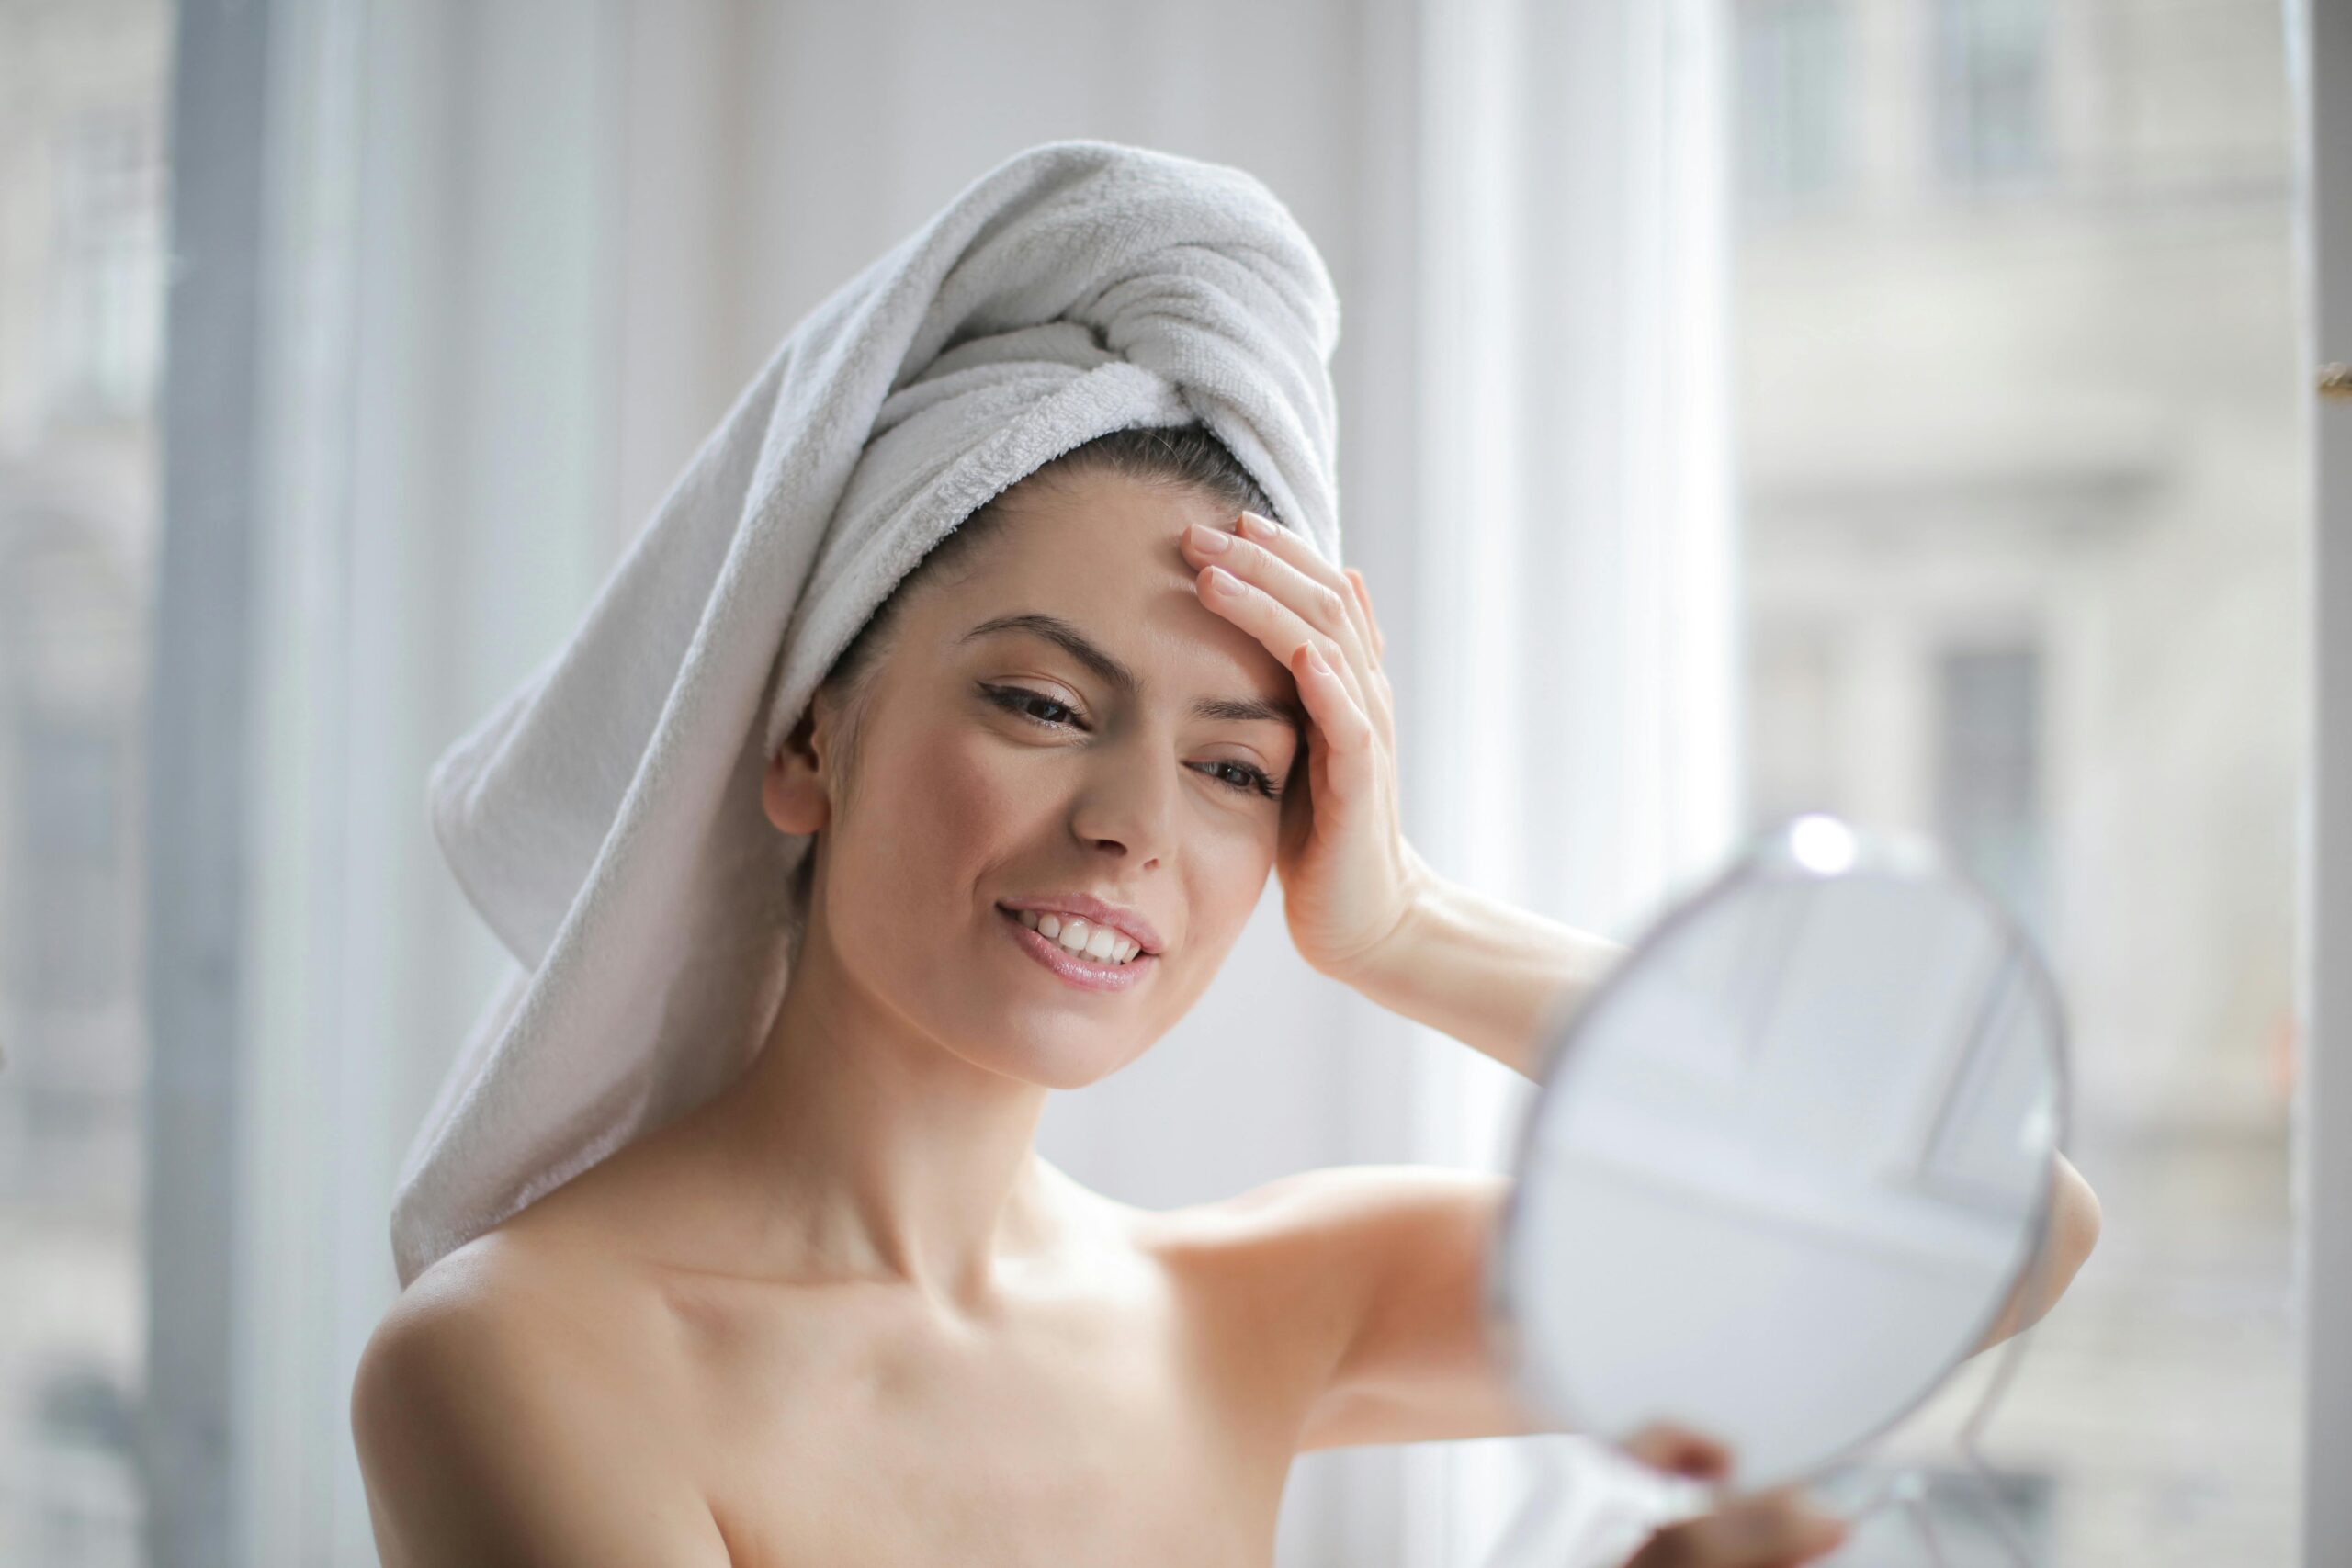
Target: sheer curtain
[1574,745]
[519,257]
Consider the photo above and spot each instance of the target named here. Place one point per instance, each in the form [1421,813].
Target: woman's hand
[1349,878]
[1768,1530]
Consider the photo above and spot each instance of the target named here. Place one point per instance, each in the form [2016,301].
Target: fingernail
[1209,540]
[1256,526]
[1314,657]
[1223,581]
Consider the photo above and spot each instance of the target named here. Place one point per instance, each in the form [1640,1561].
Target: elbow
[2073,1234]
[2074,1220]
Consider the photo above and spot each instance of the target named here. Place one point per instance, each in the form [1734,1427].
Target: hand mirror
[1788,1161]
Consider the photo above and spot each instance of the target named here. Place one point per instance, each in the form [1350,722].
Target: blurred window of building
[106,309]
[2058,617]
[73,925]
[1990,62]
[1792,105]
[81,226]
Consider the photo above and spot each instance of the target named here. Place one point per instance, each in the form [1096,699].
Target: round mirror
[1788,1162]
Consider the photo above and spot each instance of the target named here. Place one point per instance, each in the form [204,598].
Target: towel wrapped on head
[605,817]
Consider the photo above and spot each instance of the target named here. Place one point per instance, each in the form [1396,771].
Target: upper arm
[1403,1248]
[483,1439]
[1399,1252]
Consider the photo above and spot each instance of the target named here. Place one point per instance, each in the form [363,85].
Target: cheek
[938,809]
[975,796]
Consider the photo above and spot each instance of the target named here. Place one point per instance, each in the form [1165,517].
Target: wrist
[1493,976]
[1422,889]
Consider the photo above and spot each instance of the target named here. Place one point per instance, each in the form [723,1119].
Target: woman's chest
[1115,1428]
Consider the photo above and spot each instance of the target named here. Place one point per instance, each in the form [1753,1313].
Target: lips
[1121,918]
[1078,972]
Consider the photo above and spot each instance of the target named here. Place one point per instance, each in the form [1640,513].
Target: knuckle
[1670,1548]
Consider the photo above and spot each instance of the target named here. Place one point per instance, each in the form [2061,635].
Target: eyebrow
[1078,646]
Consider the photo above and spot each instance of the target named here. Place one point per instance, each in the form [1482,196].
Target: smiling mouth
[1118,948]
[1076,968]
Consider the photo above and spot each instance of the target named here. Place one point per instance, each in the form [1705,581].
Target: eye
[1253,778]
[1022,702]
[1018,699]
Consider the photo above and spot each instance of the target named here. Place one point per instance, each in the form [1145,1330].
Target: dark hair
[1183,456]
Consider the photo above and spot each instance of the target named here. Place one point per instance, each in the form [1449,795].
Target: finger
[1770,1529]
[1293,548]
[1364,597]
[1346,729]
[1284,552]
[1273,623]
[1680,1452]
[1383,701]
[1318,603]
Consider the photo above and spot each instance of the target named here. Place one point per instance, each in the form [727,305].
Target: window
[1977,612]
[74,908]
[1990,88]
[106,308]
[1792,100]
[81,269]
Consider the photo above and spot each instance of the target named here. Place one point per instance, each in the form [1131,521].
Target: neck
[876,1150]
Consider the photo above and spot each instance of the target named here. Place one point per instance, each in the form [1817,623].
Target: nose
[1127,804]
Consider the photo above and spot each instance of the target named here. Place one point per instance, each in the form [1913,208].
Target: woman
[843,1312]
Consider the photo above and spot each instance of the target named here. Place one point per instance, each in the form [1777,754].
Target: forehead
[1105,509]
[1102,551]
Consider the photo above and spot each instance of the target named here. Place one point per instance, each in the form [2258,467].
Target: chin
[1060,1054]
[1052,1065]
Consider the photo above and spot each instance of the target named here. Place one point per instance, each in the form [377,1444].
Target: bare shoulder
[495,1422]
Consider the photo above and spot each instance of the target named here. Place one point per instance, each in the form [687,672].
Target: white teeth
[1075,936]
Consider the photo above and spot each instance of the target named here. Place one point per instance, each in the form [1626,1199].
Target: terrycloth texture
[605,818]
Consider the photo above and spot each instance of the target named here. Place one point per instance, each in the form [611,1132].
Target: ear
[794,792]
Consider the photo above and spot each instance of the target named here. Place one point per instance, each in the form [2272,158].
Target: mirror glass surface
[1788,1161]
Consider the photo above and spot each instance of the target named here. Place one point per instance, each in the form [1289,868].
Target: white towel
[605,817]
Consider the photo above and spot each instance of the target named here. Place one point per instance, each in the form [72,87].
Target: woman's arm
[1497,976]
[1488,973]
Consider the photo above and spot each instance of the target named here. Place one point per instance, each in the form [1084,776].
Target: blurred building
[83,214]
[2025,495]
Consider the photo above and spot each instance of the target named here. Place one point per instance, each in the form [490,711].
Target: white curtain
[1575,746]
[524,254]
[435,497]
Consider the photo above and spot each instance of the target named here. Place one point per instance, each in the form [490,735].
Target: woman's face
[997,761]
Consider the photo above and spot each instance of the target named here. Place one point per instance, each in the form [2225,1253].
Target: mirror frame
[1772,853]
